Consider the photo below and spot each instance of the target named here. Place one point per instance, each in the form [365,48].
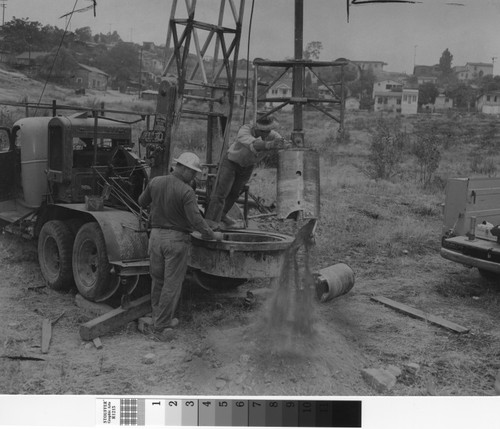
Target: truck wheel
[55,244]
[91,268]
[489,275]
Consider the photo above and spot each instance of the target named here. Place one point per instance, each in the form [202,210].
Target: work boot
[228,222]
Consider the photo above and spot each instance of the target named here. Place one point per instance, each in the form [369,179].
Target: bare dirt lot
[220,346]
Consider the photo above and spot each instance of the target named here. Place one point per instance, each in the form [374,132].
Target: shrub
[386,150]
[426,149]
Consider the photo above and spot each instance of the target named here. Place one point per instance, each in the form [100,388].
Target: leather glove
[218,236]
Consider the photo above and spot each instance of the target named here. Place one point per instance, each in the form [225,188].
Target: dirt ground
[222,346]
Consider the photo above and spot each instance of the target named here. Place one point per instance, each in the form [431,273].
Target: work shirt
[242,150]
[173,205]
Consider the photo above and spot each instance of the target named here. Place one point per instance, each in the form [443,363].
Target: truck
[53,174]
[72,183]
[471,219]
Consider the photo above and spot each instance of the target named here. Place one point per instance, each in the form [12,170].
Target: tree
[445,62]
[427,93]
[462,94]
[60,69]
[84,34]
[21,35]
[121,62]
[313,51]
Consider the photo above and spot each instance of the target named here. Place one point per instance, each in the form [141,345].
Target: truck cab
[470,224]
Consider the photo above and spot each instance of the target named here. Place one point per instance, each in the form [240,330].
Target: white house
[473,70]
[281,89]
[387,96]
[409,101]
[489,103]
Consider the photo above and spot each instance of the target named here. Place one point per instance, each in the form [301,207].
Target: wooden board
[46,335]
[420,314]
[115,319]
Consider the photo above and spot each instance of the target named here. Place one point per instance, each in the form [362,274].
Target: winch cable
[57,53]
[248,62]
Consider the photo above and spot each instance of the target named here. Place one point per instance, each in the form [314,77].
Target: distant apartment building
[473,71]
[489,103]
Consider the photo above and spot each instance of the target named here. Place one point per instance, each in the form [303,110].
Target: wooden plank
[420,314]
[46,335]
[115,319]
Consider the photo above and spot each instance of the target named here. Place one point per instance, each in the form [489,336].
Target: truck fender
[125,238]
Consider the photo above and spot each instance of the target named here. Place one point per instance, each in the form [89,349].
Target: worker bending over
[252,143]
[174,214]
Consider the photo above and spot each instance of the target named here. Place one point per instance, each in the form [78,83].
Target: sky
[401,35]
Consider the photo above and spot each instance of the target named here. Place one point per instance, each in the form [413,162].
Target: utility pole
[493,61]
[414,56]
[3,5]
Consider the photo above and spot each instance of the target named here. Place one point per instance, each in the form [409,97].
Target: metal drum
[298,183]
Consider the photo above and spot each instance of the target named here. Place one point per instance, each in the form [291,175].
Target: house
[489,103]
[443,102]
[91,78]
[473,71]
[427,79]
[351,104]
[281,89]
[387,96]
[375,66]
[28,58]
[409,101]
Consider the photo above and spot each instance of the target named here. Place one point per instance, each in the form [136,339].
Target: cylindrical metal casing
[334,281]
[298,183]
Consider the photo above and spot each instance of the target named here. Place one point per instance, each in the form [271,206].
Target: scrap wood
[420,314]
[97,343]
[115,318]
[21,358]
[46,335]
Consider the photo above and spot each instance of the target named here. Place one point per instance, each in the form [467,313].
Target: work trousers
[230,183]
[169,253]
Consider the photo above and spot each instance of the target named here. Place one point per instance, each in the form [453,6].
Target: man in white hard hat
[174,214]
[252,143]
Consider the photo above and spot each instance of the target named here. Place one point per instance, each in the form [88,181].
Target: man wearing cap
[252,143]
[174,214]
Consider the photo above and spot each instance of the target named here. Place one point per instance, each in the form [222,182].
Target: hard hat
[267,123]
[189,160]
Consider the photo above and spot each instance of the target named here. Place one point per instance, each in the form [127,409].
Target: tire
[55,244]
[91,267]
[489,275]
